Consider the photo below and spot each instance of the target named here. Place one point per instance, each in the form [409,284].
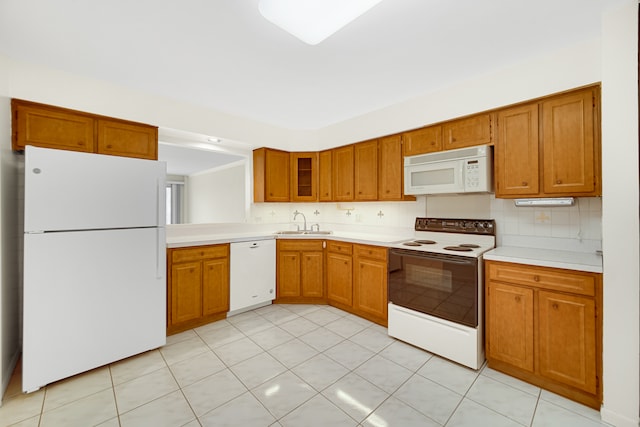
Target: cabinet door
[370,283]
[390,168]
[215,286]
[51,128]
[312,274]
[276,176]
[366,170]
[509,319]
[421,141]
[567,339]
[474,130]
[127,139]
[289,267]
[516,153]
[339,278]
[186,292]
[343,173]
[325,194]
[568,143]
[304,177]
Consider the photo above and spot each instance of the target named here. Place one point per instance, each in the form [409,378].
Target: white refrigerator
[94,262]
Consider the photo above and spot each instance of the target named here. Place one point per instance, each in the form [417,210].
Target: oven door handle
[438,257]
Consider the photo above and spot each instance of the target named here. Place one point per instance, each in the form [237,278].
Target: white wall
[217,195]
[620,231]
[556,72]
[10,247]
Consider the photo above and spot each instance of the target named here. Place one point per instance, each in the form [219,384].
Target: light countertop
[581,261]
[185,237]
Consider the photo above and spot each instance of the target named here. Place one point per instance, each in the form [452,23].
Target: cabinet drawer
[199,252]
[299,245]
[340,247]
[372,252]
[544,278]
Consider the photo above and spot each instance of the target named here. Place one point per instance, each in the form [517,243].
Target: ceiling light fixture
[312,21]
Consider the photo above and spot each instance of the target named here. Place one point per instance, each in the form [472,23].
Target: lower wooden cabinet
[370,282]
[300,271]
[542,326]
[197,286]
[340,274]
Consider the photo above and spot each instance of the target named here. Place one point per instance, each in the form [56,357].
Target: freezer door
[67,190]
[91,298]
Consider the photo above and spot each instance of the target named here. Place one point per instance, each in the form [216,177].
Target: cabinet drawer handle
[558,181]
[536,278]
[109,146]
[453,140]
[433,143]
[80,143]
[554,306]
[359,192]
[524,183]
[518,299]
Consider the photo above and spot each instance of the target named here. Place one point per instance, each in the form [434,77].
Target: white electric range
[436,287]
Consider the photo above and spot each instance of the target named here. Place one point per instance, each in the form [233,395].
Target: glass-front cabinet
[304,177]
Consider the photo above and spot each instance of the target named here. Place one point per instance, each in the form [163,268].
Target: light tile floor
[289,365]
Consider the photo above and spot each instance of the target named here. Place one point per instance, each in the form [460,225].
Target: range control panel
[448,225]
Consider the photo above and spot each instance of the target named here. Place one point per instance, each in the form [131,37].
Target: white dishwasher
[252,274]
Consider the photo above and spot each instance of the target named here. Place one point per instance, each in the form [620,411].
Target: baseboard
[618,420]
[7,378]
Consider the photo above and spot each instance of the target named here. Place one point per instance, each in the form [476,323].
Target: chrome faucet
[295,214]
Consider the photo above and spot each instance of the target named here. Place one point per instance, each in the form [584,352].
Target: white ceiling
[222,54]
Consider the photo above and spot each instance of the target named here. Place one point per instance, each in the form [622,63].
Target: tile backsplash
[568,227]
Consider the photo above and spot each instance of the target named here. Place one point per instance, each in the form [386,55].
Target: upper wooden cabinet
[342,172]
[304,177]
[325,178]
[390,168]
[421,141]
[550,148]
[569,143]
[124,139]
[270,175]
[474,130]
[366,170]
[516,154]
[61,128]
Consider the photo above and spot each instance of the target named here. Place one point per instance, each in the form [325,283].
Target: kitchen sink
[302,232]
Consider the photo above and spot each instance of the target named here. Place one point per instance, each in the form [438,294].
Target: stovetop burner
[412,244]
[425,242]
[469,245]
[459,248]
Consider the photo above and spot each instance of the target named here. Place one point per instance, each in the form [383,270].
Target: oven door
[444,286]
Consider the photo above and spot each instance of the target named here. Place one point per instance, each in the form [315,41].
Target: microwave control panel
[477,174]
[472,174]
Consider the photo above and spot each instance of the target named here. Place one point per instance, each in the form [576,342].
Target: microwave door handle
[464,166]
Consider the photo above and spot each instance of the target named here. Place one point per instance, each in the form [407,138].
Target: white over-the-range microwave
[465,170]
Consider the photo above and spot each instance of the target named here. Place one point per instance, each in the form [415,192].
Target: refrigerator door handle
[159,201]
[159,254]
